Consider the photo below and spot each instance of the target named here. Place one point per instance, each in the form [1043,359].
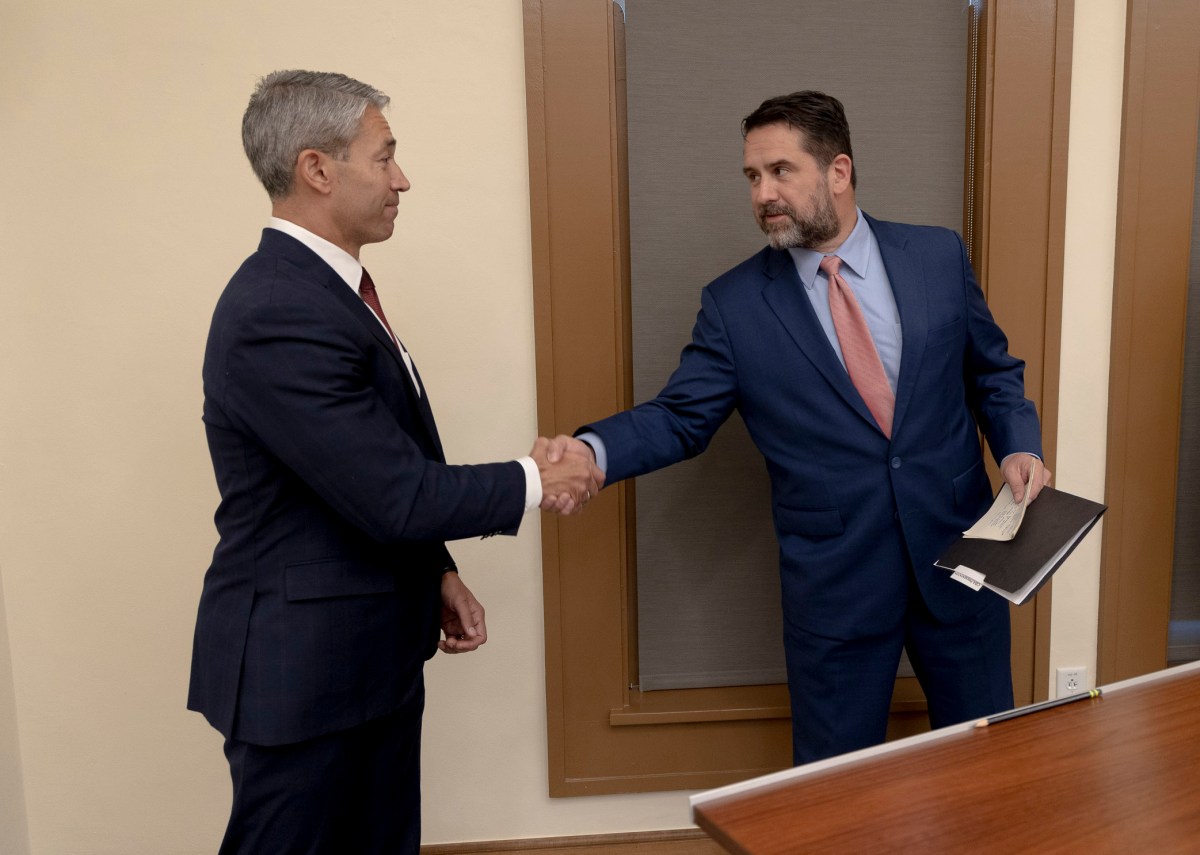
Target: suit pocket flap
[316,579]
[946,332]
[826,522]
[971,484]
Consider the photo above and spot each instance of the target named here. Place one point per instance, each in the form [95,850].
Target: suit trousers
[841,690]
[351,792]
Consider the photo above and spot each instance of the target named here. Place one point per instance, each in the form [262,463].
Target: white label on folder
[971,578]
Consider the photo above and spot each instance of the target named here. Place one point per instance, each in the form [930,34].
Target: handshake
[570,478]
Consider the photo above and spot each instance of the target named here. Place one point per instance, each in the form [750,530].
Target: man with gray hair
[331,578]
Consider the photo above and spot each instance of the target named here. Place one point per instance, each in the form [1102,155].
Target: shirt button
[895,462]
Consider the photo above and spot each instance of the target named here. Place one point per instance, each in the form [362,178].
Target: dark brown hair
[820,119]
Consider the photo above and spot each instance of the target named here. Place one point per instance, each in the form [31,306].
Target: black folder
[1015,569]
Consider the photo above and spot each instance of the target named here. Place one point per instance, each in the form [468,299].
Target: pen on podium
[1032,708]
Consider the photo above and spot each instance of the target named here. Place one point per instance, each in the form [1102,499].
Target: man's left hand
[1016,469]
[462,617]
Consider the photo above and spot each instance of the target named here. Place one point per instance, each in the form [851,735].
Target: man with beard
[864,362]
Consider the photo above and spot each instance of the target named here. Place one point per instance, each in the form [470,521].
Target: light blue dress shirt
[862,268]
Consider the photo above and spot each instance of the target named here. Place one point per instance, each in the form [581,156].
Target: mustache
[770,209]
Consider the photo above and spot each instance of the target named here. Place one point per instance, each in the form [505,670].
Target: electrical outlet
[1072,681]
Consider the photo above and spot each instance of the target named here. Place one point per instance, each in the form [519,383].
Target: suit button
[895,462]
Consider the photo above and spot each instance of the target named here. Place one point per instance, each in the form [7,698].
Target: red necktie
[366,290]
[858,348]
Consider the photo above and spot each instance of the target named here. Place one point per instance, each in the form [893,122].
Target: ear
[313,170]
[840,170]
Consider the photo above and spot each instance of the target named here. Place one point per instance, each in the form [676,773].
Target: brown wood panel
[1019,208]
[580,276]
[573,250]
[1154,217]
[1113,774]
[681,842]
[603,735]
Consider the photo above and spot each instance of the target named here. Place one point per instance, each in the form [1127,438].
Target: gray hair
[291,111]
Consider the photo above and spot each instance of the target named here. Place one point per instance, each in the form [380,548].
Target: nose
[399,181]
[763,190]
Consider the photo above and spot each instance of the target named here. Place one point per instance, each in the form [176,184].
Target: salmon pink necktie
[858,348]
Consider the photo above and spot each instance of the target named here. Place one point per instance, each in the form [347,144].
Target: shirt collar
[855,253]
[345,265]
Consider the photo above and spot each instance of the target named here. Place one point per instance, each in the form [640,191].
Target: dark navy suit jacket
[322,601]
[852,509]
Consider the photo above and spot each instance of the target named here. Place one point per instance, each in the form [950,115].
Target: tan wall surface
[127,205]
[14,837]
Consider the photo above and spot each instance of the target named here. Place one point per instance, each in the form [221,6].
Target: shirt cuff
[598,449]
[533,484]
[1030,453]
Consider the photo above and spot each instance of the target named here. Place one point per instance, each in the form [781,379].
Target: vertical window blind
[707,571]
[1183,638]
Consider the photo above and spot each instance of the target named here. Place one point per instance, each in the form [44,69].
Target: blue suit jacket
[852,509]
[323,598]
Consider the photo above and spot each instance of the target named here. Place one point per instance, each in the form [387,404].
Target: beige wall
[126,207]
[1097,79]
[128,204]
[14,837]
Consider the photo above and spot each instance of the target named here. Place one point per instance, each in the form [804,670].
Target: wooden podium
[1115,774]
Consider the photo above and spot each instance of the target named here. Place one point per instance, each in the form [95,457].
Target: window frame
[1149,328]
[604,735]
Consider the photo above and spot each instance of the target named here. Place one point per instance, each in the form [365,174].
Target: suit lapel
[278,243]
[907,278]
[785,294]
[362,312]
[422,405]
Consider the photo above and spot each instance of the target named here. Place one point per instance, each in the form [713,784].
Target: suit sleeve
[995,378]
[680,422]
[303,389]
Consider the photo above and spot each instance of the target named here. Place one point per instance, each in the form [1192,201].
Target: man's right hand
[570,478]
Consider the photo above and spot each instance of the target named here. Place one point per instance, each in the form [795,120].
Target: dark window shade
[707,571]
[1183,642]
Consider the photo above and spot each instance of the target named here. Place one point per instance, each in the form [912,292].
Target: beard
[818,227]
